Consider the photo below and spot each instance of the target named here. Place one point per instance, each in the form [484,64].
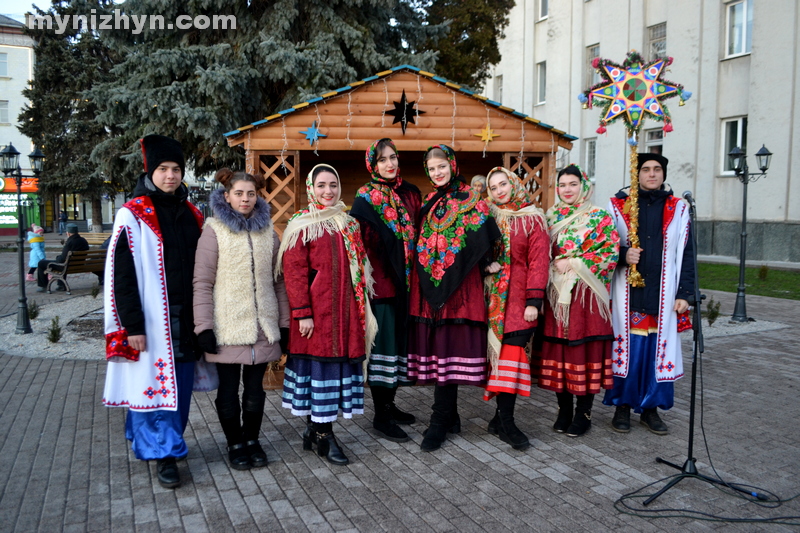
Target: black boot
[445,398]
[167,471]
[309,435]
[251,427]
[327,446]
[621,422]
[564,418]
[583,416]
[650,419]
[232,427]
[494,422]
[383,422]
[507,430]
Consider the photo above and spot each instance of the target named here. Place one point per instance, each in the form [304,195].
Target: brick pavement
[66,466]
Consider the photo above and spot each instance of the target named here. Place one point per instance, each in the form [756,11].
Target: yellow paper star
[487,134]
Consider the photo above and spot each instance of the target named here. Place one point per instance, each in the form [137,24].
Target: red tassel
[668,127]
[669,60]
[595,62]
[601,129]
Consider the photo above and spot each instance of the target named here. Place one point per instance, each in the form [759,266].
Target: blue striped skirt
[323,390]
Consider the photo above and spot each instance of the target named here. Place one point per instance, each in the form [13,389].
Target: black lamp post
[9,161]
[739,163]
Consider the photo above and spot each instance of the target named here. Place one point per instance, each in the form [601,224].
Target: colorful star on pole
[632,91]
[404,112]
[313,134]
[487,134]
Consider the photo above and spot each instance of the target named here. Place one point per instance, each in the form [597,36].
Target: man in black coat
[74,243]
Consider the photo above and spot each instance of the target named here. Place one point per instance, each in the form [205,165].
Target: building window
[498,88]
[4,112]
[593,76]
[590,153]
[543,9]
[740,28]
[734,133]
[658,41]
[3,65]
[654,141]
[541,82]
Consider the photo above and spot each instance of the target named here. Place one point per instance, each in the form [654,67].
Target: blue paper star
[313,134]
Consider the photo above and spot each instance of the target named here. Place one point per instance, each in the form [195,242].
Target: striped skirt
[388,364]
[452,354]
[580,370]
[323,390]
[513,374]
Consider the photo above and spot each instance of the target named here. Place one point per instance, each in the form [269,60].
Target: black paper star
[404,112]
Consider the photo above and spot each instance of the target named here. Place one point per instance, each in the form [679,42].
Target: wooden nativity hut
[416,109]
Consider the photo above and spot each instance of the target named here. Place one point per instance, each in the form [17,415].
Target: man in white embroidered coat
[646,353]
[150,343]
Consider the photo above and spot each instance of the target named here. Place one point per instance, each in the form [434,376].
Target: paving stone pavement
[65,465]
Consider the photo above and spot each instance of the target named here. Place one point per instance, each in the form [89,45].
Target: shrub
[54,334]
[712,311]
[95,290]
[763,272]
[33,310]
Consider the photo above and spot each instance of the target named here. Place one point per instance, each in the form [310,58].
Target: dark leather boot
[251,428]
[328,447]
[445,398]
[236,448]
[401,417]
[309,435]
[507,429]
[384,424]
[167,471]
[494,422]
[583,416]
[565,412]
[621,423]
[650,419]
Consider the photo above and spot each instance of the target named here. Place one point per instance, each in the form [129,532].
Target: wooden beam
[402,144]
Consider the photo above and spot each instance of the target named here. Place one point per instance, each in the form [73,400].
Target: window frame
[648,143]
[540,88]
[593,76]
[590,163]
[5,108]
[4,61]
[542,4]
[748,7]
[741,135]
[651,41]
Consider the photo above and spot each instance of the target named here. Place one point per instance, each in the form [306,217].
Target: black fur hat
[156,149]
[663,161]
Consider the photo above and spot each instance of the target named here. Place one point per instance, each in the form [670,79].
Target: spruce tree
[59,118]
[470,47]
[196,84]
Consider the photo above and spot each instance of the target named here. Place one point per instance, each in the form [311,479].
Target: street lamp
[9,161]
[738,161]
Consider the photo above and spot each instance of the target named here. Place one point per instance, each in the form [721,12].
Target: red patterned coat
[317,277]
[530,268]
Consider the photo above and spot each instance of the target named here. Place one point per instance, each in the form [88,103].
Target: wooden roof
[353,116]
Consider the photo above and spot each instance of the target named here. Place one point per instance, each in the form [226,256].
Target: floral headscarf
[315,220]
[453,220]
[383,196]
[519,211]
[587,236]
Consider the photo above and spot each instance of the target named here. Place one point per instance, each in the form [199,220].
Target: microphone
[687,195]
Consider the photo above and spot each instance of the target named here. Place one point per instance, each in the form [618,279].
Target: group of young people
[448,290]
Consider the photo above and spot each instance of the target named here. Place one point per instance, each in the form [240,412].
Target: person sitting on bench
[74,243]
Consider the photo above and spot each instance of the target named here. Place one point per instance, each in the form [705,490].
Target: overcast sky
[16,9]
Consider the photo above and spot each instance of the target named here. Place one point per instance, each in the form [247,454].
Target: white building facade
[739,58]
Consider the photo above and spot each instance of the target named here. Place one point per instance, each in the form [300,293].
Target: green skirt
[388,364]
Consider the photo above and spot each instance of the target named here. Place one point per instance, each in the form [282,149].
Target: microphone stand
[689,468]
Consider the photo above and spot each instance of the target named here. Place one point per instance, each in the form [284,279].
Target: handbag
[206,377]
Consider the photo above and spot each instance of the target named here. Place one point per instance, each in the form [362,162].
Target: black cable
[758,496]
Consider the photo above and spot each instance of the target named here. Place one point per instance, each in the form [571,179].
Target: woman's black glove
[207,341]
[284,340]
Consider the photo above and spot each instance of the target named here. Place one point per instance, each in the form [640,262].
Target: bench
[95,239]
[76,263]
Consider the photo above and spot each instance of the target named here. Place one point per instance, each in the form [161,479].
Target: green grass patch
[757,280]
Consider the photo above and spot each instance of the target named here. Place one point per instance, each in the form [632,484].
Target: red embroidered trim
[117,346]
[143,209]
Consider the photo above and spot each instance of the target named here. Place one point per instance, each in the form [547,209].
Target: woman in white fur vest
[240,312]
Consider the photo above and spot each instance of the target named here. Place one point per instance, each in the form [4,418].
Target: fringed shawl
[316,220]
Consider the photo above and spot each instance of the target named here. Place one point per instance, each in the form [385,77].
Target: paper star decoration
[313,134]
[632,91]
[404,112]
[487,134]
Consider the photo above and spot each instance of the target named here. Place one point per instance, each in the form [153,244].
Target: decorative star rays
[313,134]
[487,134]
[632,91]
[404,112]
